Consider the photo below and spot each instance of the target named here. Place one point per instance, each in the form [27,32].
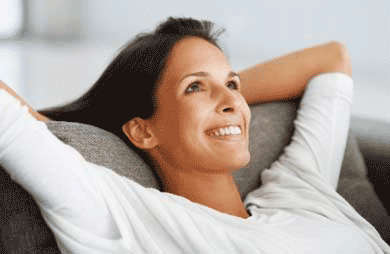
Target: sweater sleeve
[321,127]
[305,177]
[52,172]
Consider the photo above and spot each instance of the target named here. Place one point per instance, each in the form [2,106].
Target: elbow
[341,60]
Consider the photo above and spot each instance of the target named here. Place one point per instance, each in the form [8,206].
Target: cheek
[166,126]
[193,116]
[190,125]
[245,108]
[247,112]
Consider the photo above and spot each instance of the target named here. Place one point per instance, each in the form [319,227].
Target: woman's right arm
[54,174]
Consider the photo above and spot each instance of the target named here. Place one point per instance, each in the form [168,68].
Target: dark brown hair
[126,89]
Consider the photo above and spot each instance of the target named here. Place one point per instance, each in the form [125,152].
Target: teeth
[232,130]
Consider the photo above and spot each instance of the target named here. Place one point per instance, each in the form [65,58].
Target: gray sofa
[23,229]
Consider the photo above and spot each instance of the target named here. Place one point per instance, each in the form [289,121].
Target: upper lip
[225,126]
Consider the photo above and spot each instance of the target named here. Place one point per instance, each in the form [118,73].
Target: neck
[217,190]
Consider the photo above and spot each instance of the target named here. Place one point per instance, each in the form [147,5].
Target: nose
[227,99]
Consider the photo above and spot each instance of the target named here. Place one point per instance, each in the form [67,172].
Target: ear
[140,133]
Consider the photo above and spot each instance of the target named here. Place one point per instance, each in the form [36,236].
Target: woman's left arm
[286,77]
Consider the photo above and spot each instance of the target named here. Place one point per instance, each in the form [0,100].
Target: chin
[239,162]
[244,163]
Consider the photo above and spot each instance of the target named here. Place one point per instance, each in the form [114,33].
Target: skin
[190,162]
[286,77]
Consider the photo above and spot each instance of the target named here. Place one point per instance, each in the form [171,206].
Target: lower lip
[228,138]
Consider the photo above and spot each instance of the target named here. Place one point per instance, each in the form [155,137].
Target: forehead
[193,51]
[191,55]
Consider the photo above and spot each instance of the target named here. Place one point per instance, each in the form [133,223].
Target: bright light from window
[11,17]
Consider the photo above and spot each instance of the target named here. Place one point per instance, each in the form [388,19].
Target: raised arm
[286,77]
[31,110]
[55,174]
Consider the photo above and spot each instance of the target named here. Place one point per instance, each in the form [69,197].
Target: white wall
[256,31]
[266,27]
[259,30]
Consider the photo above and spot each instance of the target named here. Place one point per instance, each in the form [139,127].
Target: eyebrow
[206,74]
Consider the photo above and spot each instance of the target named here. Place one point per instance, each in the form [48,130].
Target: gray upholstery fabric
[24,231]
[104,148]
[355,187]
[269,132]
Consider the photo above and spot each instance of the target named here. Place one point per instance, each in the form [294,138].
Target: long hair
[127,88]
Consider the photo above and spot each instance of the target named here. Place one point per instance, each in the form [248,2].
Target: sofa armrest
[373,137]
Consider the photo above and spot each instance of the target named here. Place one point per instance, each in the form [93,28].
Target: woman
[172,94]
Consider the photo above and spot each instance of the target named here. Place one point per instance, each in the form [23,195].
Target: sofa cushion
[104,148]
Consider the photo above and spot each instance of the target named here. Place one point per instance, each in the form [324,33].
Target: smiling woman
[172,96]
[187,159]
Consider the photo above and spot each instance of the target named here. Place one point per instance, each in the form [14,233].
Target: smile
[225,131]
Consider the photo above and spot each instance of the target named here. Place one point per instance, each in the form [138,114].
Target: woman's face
[198,95]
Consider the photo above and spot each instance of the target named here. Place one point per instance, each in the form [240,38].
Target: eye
[235,84]
[193,86]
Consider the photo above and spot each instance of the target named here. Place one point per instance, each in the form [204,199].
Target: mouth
[228,132]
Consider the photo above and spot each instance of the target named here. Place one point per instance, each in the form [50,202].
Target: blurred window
[11,18]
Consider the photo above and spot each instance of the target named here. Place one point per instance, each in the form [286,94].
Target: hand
[34,113]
